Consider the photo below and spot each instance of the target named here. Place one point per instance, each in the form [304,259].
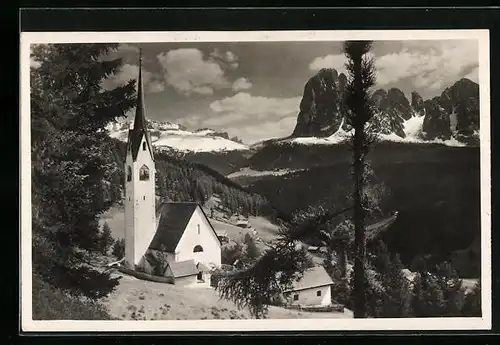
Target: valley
[430,172]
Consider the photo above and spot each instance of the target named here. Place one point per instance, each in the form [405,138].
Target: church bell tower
[140,215]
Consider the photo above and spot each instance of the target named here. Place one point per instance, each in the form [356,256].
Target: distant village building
[312,290]
[175,239]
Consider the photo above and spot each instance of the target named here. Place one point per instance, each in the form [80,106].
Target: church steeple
[140,129]
[140,120]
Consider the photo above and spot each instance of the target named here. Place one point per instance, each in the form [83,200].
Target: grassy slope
[138,299]
[50,303]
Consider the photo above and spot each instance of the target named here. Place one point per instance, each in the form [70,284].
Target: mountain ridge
[451,118]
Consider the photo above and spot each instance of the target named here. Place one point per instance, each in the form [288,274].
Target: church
[173,239]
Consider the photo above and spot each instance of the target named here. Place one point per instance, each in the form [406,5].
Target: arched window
[129,173]
[197,249]
[144,173]
[144,146]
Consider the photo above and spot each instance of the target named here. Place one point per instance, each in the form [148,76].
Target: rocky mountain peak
[322,107]
[417,103]
[391,109]
[454,114]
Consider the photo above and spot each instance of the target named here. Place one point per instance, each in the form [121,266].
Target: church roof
[174,217]
[183,268]
[140,125]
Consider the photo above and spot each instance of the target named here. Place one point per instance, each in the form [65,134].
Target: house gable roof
[173,219]
[181,269]
[313,277]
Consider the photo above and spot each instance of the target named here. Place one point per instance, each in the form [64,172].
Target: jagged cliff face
[417,103]
[322,107]
[454,114]
[391,109]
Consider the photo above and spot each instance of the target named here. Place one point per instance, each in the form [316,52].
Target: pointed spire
[140,125]
[140,120]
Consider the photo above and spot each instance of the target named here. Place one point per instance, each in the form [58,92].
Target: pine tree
[397,297]
[72,159]
[472,303]
[358,99]
[251,251]
[428,298]
[106,239]
[119,248]
[453,291]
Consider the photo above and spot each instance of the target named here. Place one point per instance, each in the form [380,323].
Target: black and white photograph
[321,180]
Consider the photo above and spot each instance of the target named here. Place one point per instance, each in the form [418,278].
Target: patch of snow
[413,126]
[250,172]
[453,121]
[339,136]
[194,143]
[204,132]
[171,136]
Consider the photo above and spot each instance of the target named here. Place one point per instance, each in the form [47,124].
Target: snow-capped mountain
[451,119]
[171,136]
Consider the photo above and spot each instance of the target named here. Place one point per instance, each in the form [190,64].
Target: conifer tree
[453,291]
[119,248]
[72,159]
[106,239]
[358,99]
[472,303]
[428,299]
[251,252]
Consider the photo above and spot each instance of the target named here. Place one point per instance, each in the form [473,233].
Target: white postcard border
[29,325]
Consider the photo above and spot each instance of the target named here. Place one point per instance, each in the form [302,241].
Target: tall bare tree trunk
[359,229]
[362,77]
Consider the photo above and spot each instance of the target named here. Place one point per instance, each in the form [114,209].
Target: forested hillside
[177,179]
[438,201]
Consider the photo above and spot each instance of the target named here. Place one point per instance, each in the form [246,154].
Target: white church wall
[205,238]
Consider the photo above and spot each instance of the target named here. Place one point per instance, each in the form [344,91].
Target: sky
[252,90]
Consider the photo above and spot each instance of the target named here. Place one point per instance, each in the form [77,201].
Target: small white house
[312,290]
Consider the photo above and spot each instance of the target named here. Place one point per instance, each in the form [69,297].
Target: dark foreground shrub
[51,303]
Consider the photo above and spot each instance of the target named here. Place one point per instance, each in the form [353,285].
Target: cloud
[250,118]
[188,72]
[241,84]
[253,133]
[428,64]
[128,48]
[127,72]
[253,118]
[256,106]
[227,59]
[439,65]
[329,61]
[473,74]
